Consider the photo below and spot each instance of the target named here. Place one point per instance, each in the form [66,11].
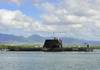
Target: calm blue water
[50,60]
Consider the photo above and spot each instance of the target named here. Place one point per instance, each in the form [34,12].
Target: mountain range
[7,38]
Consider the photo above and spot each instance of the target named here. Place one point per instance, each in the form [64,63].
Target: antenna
[53,34]
[56,34]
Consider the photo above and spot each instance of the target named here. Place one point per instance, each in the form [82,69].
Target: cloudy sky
[71,18]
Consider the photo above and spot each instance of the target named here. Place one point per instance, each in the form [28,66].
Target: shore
[38,48]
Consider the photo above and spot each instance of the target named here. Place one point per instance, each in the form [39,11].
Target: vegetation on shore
[39,48]
[16,46]
[2,46]
[20,47]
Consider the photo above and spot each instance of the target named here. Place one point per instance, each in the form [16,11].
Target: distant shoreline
[34,48]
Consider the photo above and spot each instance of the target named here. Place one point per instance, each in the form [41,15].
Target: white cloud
[16,20]
[75,17]
[93,12]
[9,18]
[72,18]
[79,17]
[50,19]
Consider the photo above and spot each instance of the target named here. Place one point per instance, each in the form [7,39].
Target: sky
[70,18]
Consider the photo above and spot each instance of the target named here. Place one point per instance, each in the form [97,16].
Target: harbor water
[49,60]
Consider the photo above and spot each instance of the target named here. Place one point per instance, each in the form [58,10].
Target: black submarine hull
[68,49]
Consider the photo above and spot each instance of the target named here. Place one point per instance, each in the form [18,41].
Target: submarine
[56,45]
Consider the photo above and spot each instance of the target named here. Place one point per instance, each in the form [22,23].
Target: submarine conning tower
[52,43]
